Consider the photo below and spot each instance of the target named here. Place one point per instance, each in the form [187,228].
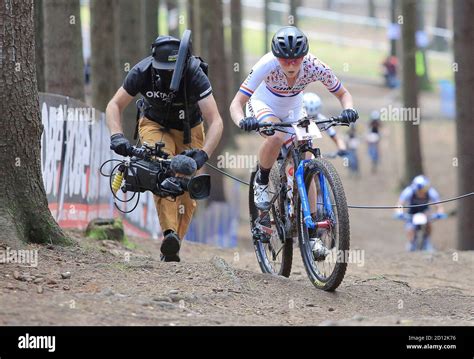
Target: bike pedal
[264,230]
[260,237]
[262,233]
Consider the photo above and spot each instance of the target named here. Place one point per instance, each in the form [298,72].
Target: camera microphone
[184,165]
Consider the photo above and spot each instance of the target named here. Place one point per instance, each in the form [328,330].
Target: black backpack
[198,61]
[194,62]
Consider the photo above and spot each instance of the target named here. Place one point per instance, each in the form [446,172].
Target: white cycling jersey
[268,89]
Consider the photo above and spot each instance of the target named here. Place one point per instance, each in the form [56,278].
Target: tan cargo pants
[172,214]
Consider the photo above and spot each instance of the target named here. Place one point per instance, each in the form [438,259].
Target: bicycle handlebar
[333,121]
[432,217]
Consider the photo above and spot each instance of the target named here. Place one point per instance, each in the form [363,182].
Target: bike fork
[305,201]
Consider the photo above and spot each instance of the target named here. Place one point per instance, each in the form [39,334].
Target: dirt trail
[110,285]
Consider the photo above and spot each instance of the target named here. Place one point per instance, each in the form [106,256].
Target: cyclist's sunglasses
[288,62]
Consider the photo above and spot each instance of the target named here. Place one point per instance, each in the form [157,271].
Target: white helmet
[375,115]
[420,182]
[312,103]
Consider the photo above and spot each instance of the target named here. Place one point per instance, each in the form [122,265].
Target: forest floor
[104,283]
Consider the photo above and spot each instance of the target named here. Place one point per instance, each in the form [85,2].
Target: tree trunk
[213,33]
[190,7]
[39,49]
[293,17]
[393,20]
[371,6]
[24,213]
[330,5]
[149,22]
[425,83]
[413,159]
[63,59]
[104,77]
[238,65]
[129,51]
[173,18]
[464,77]
[195,25]
[440,43]
[266,32]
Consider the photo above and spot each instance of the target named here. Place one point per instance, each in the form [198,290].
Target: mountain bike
[292,178]
[421,240]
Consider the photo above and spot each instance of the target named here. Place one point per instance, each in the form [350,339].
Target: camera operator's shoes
[174,258]
[170,248]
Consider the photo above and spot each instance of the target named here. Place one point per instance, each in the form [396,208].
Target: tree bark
[330,5]
[413,158]
[267,17]
[425,83]
[190,15]
[63,59]
[104,77]
[129,51]
[393,20]
[213,33]
[371,6]
[24,213]
[173,18]
[464,77]
[195,25]
[39,36]
[238,65]
[440,43]
[293,19]
[149,22]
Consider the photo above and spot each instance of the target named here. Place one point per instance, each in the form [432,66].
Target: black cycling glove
[120,144]
[349,115]
[249,124]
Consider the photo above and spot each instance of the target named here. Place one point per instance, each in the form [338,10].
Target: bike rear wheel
[275,254]
[325,274]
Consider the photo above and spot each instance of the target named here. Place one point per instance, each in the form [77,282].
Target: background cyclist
[312,104]
[419,192]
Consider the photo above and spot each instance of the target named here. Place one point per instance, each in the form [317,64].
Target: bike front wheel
[322,180]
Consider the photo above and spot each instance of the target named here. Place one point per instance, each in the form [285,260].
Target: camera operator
[177,123]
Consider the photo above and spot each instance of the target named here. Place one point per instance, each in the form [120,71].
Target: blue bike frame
[304,195]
